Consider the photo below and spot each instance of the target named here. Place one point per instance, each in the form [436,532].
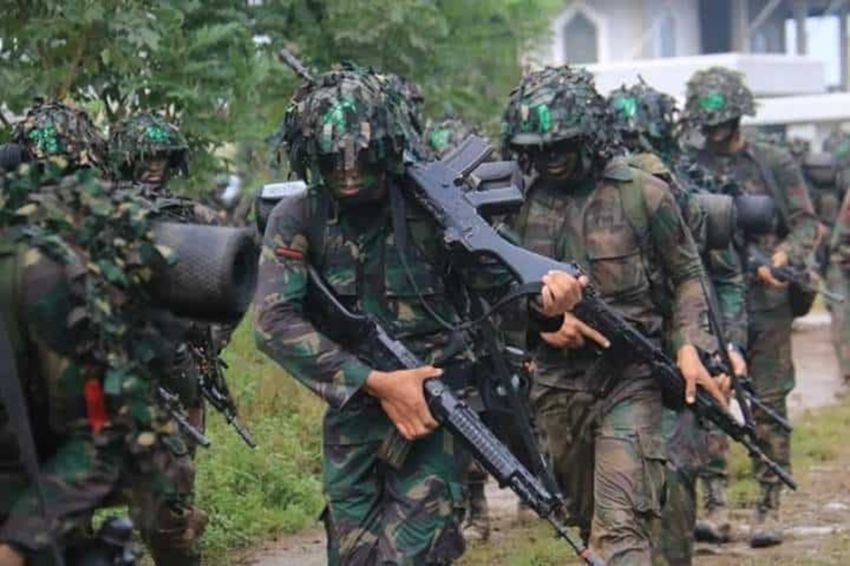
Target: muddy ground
[818,516]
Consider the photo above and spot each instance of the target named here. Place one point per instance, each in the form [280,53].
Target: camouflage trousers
[692,448]
[379,515]
[772,374]
[87,472]
[608,458]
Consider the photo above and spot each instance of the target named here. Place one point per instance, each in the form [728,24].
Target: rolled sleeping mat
[12,155]
[821,168]
[756,215]
[720,219]
[214,275]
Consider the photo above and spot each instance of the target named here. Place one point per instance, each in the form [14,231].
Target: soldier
[838,276]
[75,332]
[600,416]
[346,133]
[145,151]
[717,98]
[646,119]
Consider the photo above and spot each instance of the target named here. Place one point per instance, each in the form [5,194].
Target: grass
[251,495]
[818,440]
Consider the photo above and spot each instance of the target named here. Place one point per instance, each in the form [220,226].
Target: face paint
[560,160]
[720,137]
[360,184]
[155,171]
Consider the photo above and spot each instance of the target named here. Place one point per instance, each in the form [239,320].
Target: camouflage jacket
[725,271]
[358,257]
[631,262]
[840,244]
[800,232]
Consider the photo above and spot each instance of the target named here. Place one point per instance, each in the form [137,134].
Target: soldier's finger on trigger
[593,334]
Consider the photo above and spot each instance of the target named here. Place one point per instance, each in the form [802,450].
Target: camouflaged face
[134,140]
[447,133]
[54,129]
[717,95]
[346,112]
[644,113]
[557,103]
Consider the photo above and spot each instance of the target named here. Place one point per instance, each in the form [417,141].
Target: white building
[665,41]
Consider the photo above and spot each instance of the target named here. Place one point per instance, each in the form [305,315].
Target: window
[580,40]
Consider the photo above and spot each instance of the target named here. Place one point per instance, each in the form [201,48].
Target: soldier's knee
[176,527]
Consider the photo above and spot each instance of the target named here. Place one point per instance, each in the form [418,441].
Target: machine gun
[436,188]
[363,335]
[171,404]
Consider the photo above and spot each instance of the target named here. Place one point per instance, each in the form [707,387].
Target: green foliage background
[210,64]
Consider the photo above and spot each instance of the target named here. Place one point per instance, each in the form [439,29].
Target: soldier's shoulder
[291,206]
[772,153]
[650,163]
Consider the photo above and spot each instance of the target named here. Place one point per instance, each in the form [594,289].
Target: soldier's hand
[402,397]
[561,292]
[573,334]
[778,259]
[10,557]
[687,359]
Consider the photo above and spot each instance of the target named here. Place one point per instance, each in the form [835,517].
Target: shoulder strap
[636,211]
[9,289]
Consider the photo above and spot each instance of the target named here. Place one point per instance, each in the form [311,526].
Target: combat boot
[715,526]
[476,528]
[767,529]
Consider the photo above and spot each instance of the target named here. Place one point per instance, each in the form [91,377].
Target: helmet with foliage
[346,115]
[443,135]
[717,95]
[135,140]
[644,116]
[838,144]
[53,129]
[556,104]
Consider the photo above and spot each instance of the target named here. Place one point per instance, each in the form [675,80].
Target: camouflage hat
[717,95]
[557,103]
[347,113]
[53,129]
[643,112]
[447,133]
[137,138]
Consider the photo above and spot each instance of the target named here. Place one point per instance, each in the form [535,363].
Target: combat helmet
[838,144]
[443,135]
[53,129]
[717,95]
[346,115]
[556,104]
[140,137]
[644,116]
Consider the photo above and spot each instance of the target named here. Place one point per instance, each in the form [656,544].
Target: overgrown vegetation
[211,67]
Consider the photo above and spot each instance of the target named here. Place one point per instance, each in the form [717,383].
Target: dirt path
[816,513]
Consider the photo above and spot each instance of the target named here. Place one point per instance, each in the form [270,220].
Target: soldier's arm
[840,243]
[282,329]
[675,249]
[802,220]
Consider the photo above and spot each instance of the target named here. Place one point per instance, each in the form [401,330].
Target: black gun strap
[772,185]
[12,396]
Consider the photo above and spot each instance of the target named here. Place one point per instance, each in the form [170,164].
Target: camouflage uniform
[718,96]
[133,142]
[600,416]
[374,514]
[838,279]
[442,136]
[98,434]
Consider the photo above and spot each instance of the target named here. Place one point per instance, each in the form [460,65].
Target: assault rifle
[364,335]
[436,187]
[171,404]
[788,274]
[214,387]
